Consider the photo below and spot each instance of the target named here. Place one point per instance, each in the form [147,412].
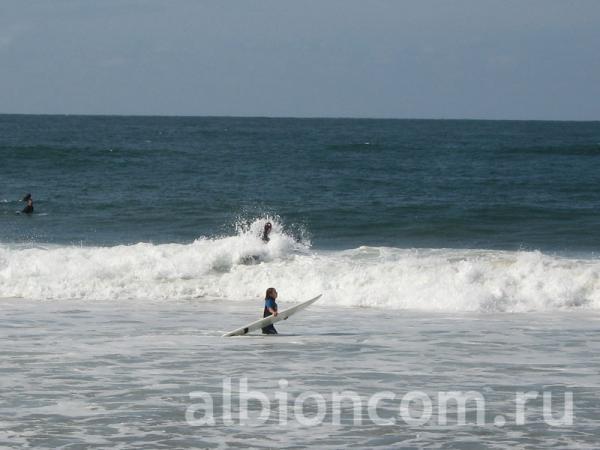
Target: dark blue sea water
[340,183]
[451,255]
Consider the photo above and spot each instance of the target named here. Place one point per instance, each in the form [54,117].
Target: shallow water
[80,374]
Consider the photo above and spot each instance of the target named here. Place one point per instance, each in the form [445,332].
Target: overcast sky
[343,58]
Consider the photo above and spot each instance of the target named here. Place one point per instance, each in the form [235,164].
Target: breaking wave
[241,267]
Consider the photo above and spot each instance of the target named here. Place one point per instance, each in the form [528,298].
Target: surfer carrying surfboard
[271,315]
[270,309]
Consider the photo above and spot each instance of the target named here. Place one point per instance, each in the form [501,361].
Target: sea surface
[452,255]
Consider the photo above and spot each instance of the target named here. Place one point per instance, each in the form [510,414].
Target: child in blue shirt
[270,309]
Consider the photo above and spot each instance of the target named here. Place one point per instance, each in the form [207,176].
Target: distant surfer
[29,207]
[266,232]
[270,309]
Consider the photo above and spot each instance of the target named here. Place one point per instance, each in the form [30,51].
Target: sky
[480,59]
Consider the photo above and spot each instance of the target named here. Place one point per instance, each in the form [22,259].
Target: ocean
[452,255]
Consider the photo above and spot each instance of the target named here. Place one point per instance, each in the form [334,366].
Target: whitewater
[240,267]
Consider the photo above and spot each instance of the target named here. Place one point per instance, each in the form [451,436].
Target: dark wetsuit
[28,209]
[266,232]
[269,303]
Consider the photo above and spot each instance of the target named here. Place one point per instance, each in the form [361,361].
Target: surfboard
[283,315]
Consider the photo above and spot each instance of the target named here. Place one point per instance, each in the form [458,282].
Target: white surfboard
[257,325]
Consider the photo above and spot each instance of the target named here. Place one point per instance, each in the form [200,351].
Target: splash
[241,266]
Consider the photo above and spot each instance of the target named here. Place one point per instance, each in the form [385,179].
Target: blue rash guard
[269,303]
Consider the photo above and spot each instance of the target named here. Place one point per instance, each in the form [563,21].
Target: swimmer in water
[29,207]
[266,232]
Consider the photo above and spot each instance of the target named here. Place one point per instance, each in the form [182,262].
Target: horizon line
[218,116]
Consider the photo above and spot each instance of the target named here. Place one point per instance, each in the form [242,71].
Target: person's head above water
[271,293]
[267,231]
[29,207]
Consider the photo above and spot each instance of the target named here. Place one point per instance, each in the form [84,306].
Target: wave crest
[241,267]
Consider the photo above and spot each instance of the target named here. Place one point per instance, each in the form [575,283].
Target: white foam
[241,267]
